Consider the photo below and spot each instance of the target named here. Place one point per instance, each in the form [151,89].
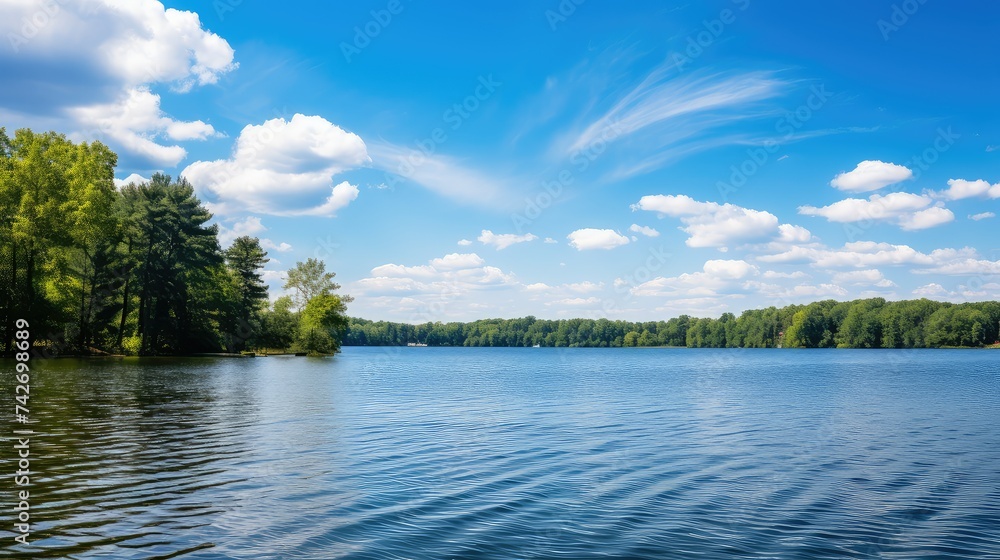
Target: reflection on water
[516,453]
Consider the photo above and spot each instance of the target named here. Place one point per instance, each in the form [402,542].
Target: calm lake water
[515,453]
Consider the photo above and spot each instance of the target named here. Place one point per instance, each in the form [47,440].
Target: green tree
[279,326]
[179,252]
[310,279]
[245,258]
[322,324]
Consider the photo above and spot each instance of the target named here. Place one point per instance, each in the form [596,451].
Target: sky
[574,158]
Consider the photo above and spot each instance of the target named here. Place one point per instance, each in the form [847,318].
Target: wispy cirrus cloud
[671,116]
[444,175]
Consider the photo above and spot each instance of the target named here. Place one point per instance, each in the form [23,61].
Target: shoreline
[303,355]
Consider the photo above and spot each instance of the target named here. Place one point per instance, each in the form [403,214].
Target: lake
[515,453]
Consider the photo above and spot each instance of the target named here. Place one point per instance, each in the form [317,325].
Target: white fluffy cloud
[251,225]
[982,216]
[442,282]
[133,178]
[871,175]
[869,254]
[134,122]
[811,291]
[870,277]
[771,274]
[576,302]
[930,290]
[965,267]
[928,218]
[908,211]
[709,224]
[90,65]
[591,238]
[787,233]
[542,291]
[584,287]
[717,277]
[458,261]
[960,188]
[269,245]
[504,240]
[283,168]
[877,207]
[644,230]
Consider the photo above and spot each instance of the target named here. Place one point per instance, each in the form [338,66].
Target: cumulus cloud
[453,276]
[538,287]
[962,267]
[250,226]
[930,290]
[870,277]
[504,240]
[982,216]
[771,274]
[812,291]
[908,211]
[133,178]
[91,65]
[877,207]
[709,224]
[464,242]
[717,277]
[591,238]
[561,293]
[576,301]
[134,122]
[871,175]
[283,168]
[869,254]
[269,245]
[584,287]
[787,233]
[960,188]
[644,230]
[458,261]
[928,218]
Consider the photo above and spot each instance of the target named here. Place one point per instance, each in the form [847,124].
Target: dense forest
[137,270]
[867,323]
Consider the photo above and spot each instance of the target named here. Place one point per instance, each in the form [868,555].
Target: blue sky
[558,159]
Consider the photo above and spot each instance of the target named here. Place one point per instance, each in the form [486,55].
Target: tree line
[865,323]
[137,270]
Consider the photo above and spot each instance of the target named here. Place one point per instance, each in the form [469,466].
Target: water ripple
[517,453]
